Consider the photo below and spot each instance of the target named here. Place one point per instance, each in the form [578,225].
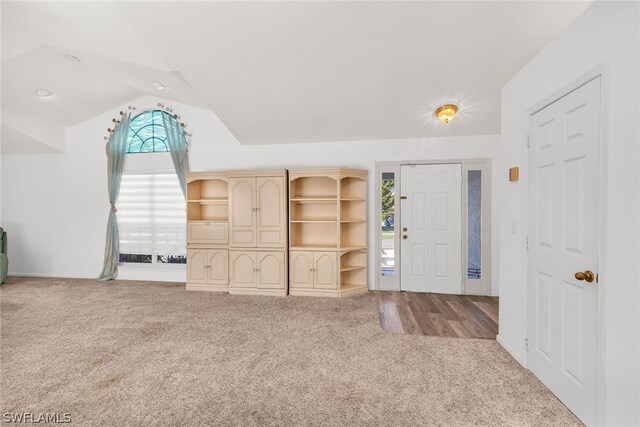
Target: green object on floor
[4,261]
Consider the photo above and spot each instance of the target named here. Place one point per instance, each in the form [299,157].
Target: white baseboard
[159,274]
[510,350]
[66,276]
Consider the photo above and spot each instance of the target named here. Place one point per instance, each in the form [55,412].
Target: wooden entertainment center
[278,232]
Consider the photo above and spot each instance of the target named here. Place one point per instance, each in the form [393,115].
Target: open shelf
[210,201]
[349,286]
[356,278]
[353,260]
[351,268]
[352,188]
[313,248]
[207,212]
[353,211]
[313,211]
[207,199]
[313,187]
[207,189]
[315,234]
[326,220]
[353,234]
[352,248]
[314,199]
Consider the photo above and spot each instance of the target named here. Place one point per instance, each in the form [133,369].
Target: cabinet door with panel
[197,266]
[325,270]
[242,212]
[270,193]
[242,269]
[271,270]
[218,266]
[301,270]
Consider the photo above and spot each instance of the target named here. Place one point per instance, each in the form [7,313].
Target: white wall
[55,206]
[605,35]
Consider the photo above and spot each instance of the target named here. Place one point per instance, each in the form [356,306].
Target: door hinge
[526,240]
[528,138]
[526,344]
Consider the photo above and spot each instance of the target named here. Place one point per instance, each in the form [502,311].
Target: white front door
[562,306]
[431,228]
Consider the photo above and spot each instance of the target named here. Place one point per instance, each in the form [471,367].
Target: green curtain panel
[178,147]
[116,154]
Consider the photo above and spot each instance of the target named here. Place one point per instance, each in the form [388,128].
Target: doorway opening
[438,239]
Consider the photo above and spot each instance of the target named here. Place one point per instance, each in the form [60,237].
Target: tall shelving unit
[328,232]
[207,231]
[258,232]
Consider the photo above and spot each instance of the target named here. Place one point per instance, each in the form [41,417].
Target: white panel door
[271,211]
[242,212]
[431,221]
[563,240]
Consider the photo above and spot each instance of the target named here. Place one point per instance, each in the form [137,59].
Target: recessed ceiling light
[158,85]
[71,57]
[43,93]
[446,113]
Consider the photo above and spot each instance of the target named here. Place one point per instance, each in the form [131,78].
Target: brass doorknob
[404,228]
[587,275]
[405,237]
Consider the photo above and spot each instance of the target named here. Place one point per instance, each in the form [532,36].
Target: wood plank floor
[459,316]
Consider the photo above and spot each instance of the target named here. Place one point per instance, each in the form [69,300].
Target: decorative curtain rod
[161,106]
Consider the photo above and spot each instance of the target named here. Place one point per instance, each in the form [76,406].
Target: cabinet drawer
[207,232]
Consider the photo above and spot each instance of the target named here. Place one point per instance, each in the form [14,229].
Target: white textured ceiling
[276,72]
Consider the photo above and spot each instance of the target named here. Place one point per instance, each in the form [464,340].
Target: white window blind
[151,215]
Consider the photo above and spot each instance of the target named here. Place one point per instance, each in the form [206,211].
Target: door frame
[601,71]
[392,283]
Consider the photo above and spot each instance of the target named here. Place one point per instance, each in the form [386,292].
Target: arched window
[151,206]
[147,134]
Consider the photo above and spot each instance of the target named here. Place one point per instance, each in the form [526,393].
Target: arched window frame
[140,141]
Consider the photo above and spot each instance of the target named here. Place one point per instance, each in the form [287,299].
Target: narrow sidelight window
[474,225]
[387,223]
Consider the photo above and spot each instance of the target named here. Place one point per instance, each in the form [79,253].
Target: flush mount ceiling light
[71,57]
[43,93]
[446,113]
[158,85]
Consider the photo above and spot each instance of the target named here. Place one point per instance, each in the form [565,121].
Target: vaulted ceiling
[274,72]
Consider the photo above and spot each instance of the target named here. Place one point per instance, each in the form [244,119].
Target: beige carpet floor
[148,353]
